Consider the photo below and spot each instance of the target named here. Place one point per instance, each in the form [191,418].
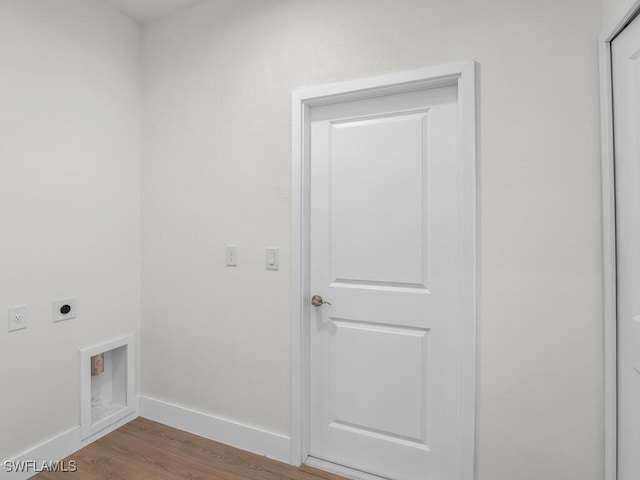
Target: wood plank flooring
[143,449]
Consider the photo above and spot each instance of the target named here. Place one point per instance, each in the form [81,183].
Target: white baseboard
[237,435]
[247,438]
[345,472]
[27,464]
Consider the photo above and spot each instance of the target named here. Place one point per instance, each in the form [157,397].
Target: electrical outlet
[17,317]
[232,256]
[65,309]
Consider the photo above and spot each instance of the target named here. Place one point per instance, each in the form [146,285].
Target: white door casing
[629,9]
[626,108]
[384,378]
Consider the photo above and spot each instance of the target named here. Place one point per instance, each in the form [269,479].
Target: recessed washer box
[65,309]
[107,375]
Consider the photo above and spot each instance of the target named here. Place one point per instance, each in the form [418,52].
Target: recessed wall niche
[106,384]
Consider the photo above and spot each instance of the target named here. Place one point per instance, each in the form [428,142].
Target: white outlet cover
[232,256]
[17,316]
[58,316]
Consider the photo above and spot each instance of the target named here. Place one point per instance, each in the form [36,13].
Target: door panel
[367,382]
[626,85]
[386,240]
[370,156]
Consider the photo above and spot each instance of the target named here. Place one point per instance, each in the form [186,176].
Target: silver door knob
[316,301]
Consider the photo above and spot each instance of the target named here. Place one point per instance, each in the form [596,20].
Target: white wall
[216,170]
[612,11]
[69,201]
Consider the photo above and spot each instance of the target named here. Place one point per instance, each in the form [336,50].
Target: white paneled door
[387,235]
[626,96]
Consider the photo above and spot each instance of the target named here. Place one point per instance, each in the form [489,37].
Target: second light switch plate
[273,258]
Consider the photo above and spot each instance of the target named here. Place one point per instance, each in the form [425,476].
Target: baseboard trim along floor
[29,463]
[251,439]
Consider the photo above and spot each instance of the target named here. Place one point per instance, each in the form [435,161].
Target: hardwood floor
[143,449]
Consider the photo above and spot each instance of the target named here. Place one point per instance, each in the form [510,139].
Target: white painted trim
[462,74]
[237,435]
[247,438]
[626,14]
[345,472]
[609,264]
[375,86]
[467,414]
[59,447]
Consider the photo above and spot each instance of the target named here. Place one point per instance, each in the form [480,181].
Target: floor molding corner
[29,463]
[237,435]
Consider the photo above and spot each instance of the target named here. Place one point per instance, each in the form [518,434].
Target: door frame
[626,14]
[462,74]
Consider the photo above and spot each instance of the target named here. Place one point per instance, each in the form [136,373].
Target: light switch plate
[17,317]
[68,305]
[273,258]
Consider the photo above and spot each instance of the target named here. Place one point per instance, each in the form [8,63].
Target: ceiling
[149,10]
